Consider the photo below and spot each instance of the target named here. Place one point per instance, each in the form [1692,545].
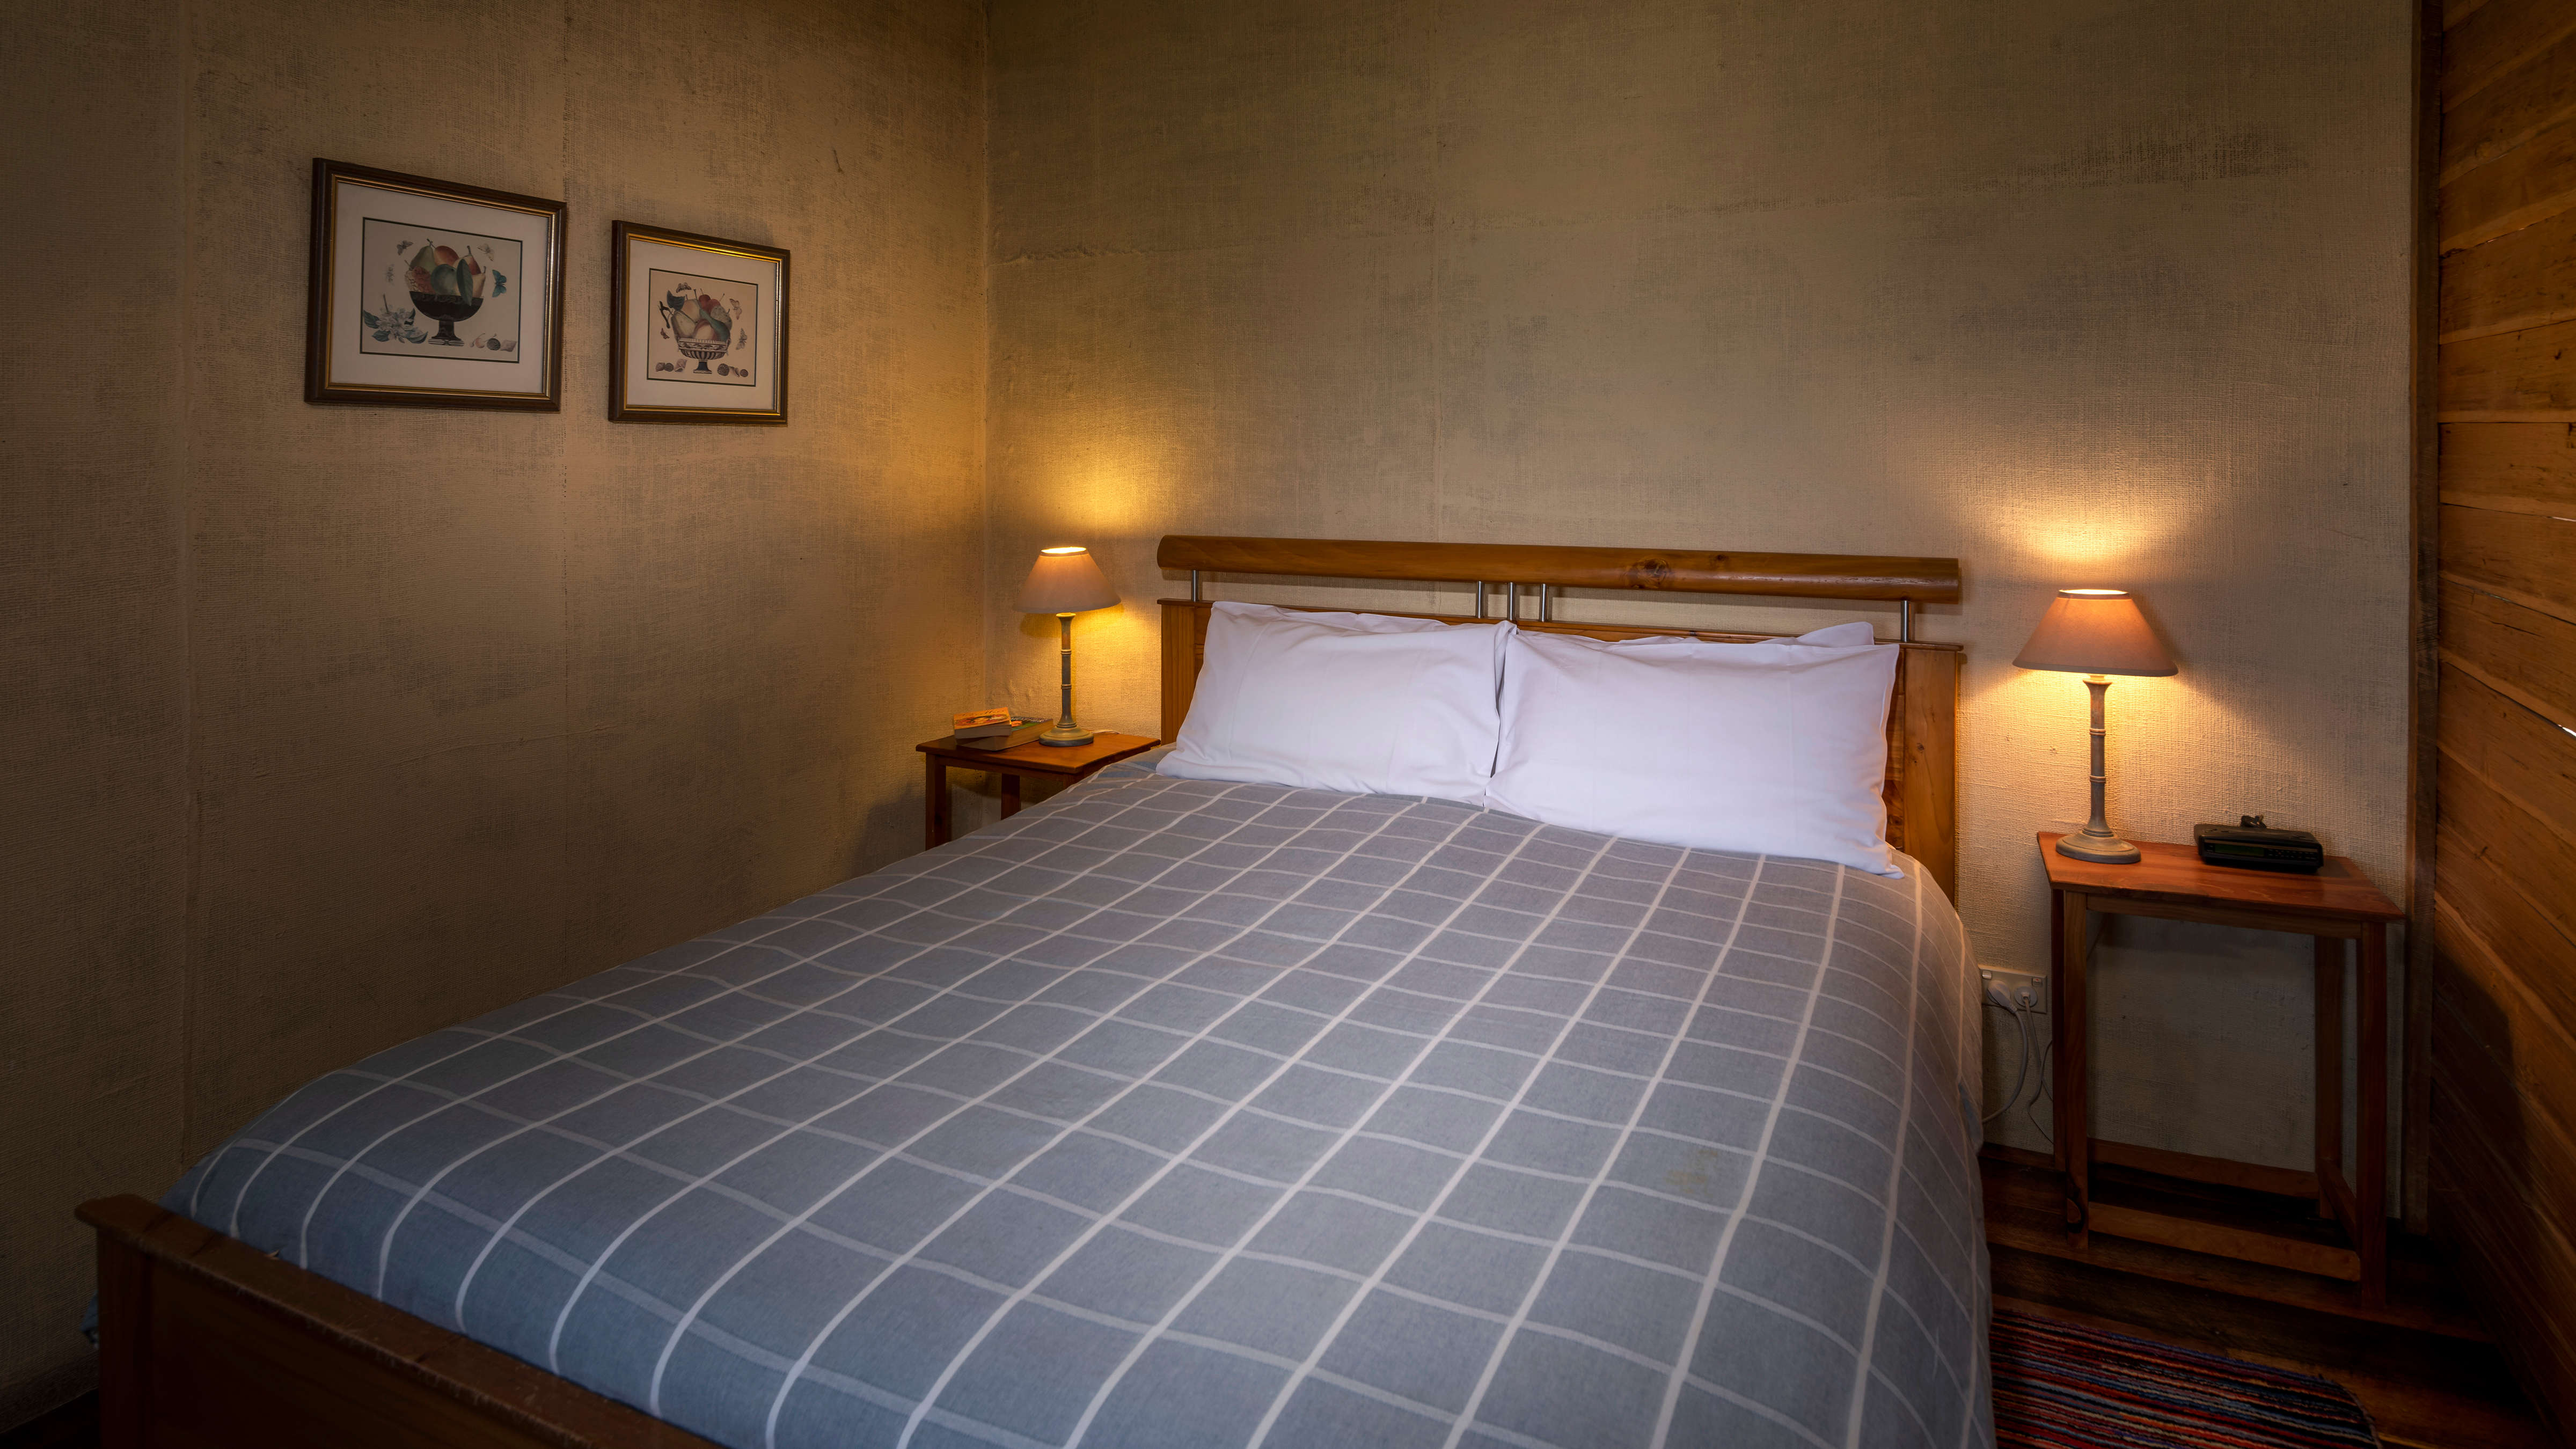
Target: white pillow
[1776,748]
[1367,704]
[1858,631]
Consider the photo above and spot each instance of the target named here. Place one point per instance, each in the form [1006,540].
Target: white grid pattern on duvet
[1139,825]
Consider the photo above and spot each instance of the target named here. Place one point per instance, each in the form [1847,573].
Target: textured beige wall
[2081,293]
[353,722]
[93,668]
[335,725]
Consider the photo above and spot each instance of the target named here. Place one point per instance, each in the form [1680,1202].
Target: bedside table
[2334,905]
[1067,763]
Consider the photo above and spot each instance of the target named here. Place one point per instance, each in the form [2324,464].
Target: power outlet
[2013,990]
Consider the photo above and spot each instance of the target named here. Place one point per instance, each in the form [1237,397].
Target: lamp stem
[1065,731]
[2100,687]
[2097,843]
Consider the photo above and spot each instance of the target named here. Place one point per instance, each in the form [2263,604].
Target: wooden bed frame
[1922,786]
[206,1341]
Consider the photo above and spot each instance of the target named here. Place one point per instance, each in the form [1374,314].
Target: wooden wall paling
[2502,1129]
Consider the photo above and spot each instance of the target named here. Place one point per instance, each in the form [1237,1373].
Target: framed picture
[698,330]
[432,293]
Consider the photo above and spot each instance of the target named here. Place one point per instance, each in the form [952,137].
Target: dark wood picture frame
[622,409]
[318,322]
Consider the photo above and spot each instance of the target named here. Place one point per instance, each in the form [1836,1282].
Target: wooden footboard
[205,1341]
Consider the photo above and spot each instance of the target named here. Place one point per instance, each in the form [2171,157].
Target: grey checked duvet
[1173,1112]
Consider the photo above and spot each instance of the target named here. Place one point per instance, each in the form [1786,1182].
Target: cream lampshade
[1065,582]
[2096,632]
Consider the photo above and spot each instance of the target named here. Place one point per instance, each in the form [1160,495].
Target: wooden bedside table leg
[2071,1069]
[2370,1193]
[1010,794]
[934,803]
[2329,1040]
[2057,1008]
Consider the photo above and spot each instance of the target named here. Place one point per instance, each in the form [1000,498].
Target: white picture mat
[645,256]
[352,202]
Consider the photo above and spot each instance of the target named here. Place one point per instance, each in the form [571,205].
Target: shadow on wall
[2483,1179]
[891,819]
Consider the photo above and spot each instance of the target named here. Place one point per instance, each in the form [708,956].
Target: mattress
[1176,1112]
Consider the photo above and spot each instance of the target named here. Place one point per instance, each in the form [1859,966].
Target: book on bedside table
[1007,735]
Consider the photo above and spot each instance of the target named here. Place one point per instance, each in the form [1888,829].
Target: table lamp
[2096,632]
[1064,583]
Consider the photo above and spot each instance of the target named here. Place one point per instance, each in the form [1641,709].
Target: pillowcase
[1858,631]
[1366,704]
[1776,748]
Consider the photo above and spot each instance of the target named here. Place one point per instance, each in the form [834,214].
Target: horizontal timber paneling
[2496,1085]
[2521,279]
[2488,901]
[2482,44]
[2502,1118]
[2517,467]
[2528,880]
[2508,1242]
[2528,375]
[2523,557]
[2532,1151]
[2519,1043]
[2532,182]
[2518,105]
[2516,751]
[2502,1125]
[2523,654]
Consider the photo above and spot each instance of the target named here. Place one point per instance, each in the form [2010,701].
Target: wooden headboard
[1922,787]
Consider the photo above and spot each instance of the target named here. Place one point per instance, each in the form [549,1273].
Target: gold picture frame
[697,328]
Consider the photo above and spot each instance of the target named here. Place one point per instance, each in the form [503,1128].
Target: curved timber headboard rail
[1921,785]
[1779,575]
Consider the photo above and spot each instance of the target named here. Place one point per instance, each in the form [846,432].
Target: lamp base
[2103,849]
[1066,733]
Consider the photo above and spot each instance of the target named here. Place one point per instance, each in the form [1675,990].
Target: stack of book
[996,729]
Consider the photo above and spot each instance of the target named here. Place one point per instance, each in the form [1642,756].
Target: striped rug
[2064,1386]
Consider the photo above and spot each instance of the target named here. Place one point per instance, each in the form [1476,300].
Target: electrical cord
[2021,1075]
[2030,1055]
[2030,1113]
[2101,927]
[2027,1057]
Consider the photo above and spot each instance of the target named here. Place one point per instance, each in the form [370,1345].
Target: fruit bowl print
[448,286]
[700,325]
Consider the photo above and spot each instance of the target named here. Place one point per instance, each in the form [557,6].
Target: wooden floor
[2421,1365]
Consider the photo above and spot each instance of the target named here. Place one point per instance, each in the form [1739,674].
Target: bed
[1168,1111]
